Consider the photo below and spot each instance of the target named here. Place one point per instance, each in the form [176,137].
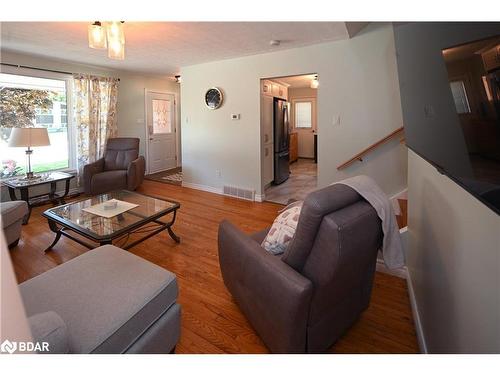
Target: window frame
[463,81]
[307,99]
[68,78]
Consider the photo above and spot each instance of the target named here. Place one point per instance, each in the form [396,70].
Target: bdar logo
[9,347]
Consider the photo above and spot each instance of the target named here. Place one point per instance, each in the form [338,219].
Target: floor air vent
[237,192]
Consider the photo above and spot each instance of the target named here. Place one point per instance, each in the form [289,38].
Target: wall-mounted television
[451,106]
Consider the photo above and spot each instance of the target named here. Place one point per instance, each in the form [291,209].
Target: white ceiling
[466,51]
[296,82]
[164,47]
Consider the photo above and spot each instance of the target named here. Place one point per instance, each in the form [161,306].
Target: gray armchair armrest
[88,171]
[273,296]
[260,235]
[135,173]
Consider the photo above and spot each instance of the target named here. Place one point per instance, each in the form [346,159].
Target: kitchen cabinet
[266,87]
[279,91]
[294,147]
[266,123]
[268,164]
[491,59]
[266,119]
[273,89]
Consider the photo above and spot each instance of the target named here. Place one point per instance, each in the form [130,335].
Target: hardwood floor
[211,322]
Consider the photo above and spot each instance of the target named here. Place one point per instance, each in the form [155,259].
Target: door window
[162,119]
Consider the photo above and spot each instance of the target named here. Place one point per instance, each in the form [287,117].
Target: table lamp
[29,137]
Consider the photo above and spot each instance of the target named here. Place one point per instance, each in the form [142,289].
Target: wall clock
[213,98]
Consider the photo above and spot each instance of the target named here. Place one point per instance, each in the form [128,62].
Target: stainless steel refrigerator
[281,141]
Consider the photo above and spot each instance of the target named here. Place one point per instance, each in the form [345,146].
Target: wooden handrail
[369,149]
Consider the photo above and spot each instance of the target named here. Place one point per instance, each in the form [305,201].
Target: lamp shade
[29,137]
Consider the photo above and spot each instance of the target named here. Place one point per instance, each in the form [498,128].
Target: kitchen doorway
[289,132]
[162,136]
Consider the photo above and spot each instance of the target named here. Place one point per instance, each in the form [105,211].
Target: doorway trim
[176,127]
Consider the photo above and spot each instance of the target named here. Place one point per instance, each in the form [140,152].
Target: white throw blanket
[392,248]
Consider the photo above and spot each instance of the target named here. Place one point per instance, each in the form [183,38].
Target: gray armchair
[12,219]
[306,299]
[120,168]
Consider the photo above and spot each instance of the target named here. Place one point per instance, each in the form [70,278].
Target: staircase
[403,217]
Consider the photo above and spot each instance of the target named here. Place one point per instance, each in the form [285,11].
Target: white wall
[14,324]
[454,243]
[453,263]
[130,91]
[358,81]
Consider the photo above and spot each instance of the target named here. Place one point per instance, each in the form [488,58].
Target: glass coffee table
[144,219]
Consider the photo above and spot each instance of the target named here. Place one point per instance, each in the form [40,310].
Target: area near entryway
[161,129]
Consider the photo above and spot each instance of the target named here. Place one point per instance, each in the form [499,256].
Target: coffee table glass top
[72,214]
[20,182]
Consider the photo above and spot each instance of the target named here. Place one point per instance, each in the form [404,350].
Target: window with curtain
[35,99]
[303,114]
[95,101]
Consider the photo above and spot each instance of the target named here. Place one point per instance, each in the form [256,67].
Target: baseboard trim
[403,194]
[206,188]
[416,316]
[398,272]
[404,274]
[260,197]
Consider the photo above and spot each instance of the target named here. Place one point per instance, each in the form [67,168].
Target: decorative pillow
[283,229]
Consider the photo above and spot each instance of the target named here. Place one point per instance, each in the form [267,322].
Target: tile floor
[303,179]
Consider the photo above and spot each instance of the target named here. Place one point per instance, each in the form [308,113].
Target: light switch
[235,116]
[336,120]
[429,111]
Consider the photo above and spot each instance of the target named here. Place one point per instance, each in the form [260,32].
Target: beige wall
[130,92]
[358,82]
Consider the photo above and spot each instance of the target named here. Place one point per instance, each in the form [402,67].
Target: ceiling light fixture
[108,35]
[315,82]
[97,36]
[114,31]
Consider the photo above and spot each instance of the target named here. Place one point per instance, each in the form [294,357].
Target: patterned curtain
[94,101]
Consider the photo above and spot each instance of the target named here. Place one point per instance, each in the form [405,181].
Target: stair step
[403,218]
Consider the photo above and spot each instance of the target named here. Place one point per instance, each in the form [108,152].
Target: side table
[23,185]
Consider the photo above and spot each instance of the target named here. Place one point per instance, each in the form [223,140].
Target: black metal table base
[33,201]
[61,230]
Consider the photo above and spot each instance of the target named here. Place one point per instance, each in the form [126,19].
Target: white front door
[160,121]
